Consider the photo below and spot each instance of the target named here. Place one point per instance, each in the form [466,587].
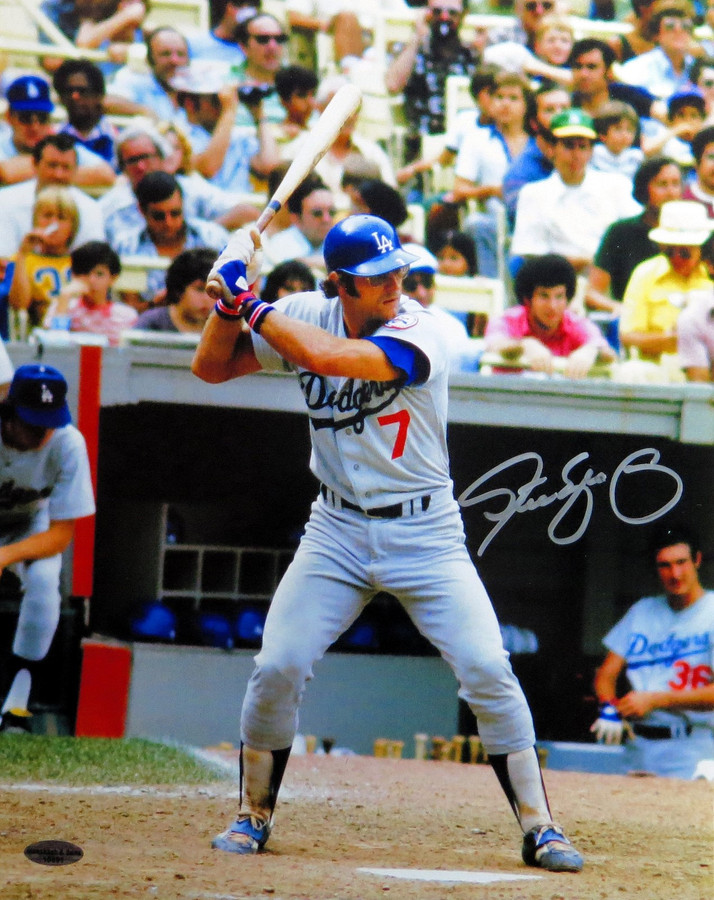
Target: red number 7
[402,419]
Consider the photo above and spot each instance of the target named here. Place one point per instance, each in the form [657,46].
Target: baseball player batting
[373,367]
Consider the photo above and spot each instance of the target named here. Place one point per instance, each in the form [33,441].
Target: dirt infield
[648,838]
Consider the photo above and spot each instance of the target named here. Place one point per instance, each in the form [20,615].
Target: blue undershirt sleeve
[406,357]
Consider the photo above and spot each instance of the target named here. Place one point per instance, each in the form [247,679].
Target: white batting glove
[239,265]
[609,727]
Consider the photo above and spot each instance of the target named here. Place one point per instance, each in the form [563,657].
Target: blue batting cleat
[546,847]
[247,835]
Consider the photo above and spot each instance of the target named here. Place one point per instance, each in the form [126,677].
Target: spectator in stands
[296,87]
[686,116]
[660,287]
[420,284]
[616,125]
[627,242]
[166,230]
[222,152]
[141,149]
[701,187]
[187,305]
[545,57]
[481,88]
[80,86]
[420,71]
[543,329]
[263,41]
[567,213]
[289,277]
[483,161]
[220,43]
[663,70]
[87,300]
[339,21]
[312,213]
[554,39]
[701,75]
[455,252]
[627,46]
[55,163]
[535,162]
[28,116]
[132,92]
[347,143]
[111,25]
[594,83]
[695,328]
[378,198]
[42,263]
[522,28]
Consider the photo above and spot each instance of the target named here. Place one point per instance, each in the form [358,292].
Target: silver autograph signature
[576,487]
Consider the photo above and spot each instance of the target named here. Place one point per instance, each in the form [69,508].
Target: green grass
[85,761]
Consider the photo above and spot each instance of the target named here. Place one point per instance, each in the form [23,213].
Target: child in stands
[87,301]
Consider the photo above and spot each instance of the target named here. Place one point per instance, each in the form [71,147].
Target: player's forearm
[308,347]
[698,698]
[39,546]
[225,351]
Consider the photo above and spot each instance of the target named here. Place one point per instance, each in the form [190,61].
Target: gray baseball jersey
[374,443]
[667,650]
[52,482]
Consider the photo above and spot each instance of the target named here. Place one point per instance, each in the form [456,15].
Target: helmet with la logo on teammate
[364,245]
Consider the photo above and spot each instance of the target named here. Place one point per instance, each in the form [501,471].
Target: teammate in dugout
[45,486]
[665,645]
[373,367]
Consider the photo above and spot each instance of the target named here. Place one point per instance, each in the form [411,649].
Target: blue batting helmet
[364,245]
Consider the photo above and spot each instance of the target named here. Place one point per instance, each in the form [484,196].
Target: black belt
[661,732]
[395,511]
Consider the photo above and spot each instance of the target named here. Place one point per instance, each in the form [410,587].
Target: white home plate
[451,876]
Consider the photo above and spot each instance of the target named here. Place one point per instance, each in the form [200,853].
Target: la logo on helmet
[384,245]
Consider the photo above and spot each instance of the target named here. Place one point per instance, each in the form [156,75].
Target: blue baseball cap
[38,395]
[29,92]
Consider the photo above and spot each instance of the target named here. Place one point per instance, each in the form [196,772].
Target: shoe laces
[257,821]
[557,836]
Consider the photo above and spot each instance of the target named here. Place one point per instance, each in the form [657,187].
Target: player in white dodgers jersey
[373,367]
[45,486]
[666,646]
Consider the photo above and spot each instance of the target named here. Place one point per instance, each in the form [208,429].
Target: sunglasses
[533,5]
[442,11]
[681,252]
[415,279]
[385,278]
[264,39]
[28,117]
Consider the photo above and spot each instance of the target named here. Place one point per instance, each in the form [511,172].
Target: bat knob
[214,289]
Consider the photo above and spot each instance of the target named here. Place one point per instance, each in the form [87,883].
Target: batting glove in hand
[238,267]
[609,727]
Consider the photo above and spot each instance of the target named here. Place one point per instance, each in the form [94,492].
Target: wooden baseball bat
[317,142]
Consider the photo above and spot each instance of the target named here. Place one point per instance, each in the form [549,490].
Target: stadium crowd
[488,141]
